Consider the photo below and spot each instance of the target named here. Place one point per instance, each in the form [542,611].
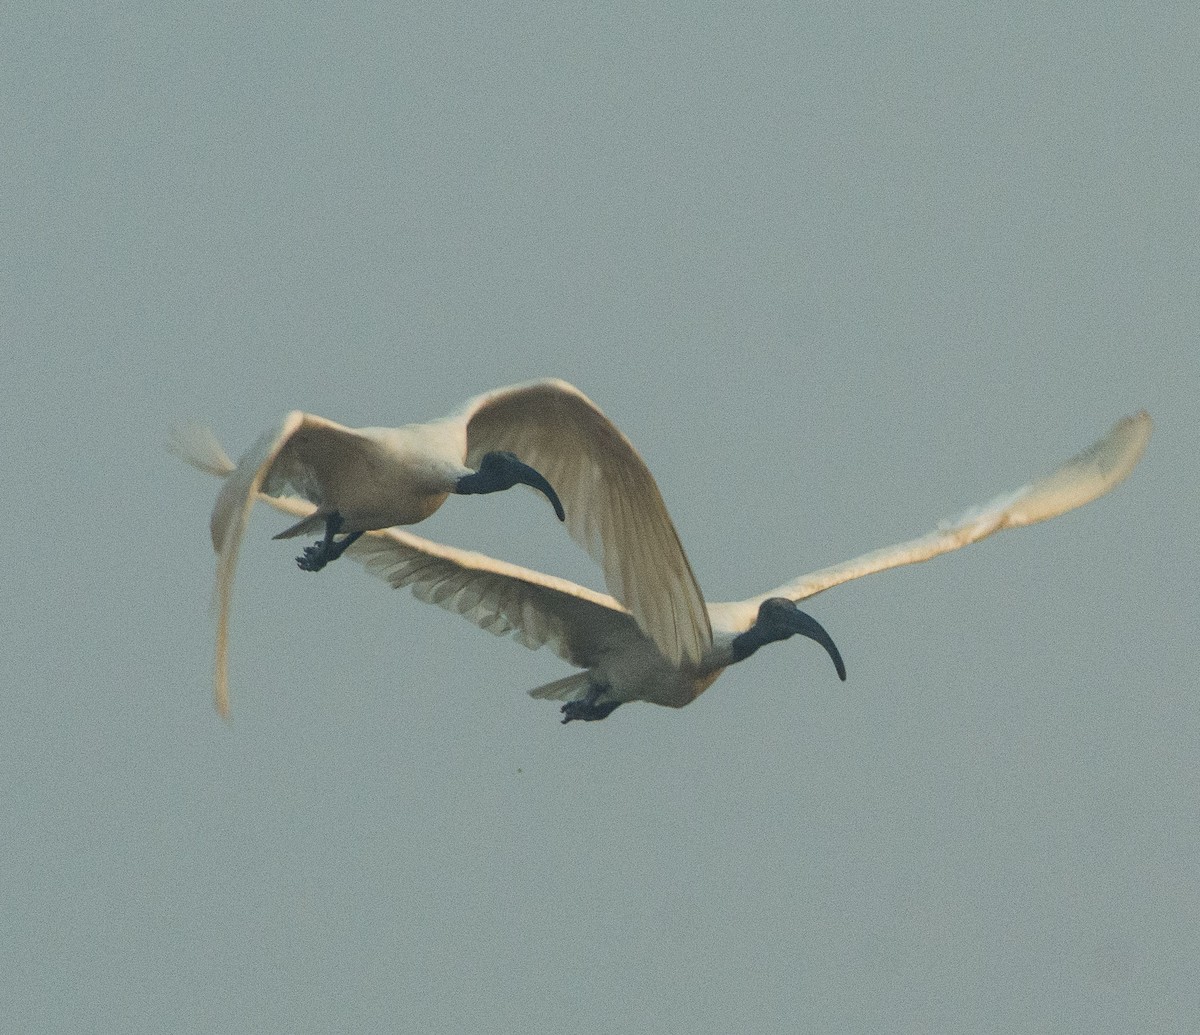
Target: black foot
[588,711]
[318,555]
[314,558]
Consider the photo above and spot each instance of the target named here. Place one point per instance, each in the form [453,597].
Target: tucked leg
[318,555]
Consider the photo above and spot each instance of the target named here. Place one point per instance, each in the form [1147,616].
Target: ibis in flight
[620,662]
[545,434]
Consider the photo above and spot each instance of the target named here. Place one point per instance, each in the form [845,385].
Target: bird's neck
[758,635]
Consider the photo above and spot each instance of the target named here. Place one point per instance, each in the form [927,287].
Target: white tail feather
[196,445]
[569,688]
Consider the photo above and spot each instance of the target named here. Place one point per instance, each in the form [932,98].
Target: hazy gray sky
[838,273]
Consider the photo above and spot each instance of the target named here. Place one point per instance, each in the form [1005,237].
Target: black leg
[590,709]
[318,555]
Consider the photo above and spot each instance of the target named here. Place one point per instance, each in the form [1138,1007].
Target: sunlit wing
[271,462]
[1083,478]
[613,505]
[501,598]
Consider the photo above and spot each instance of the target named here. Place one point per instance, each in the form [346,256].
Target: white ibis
[545,434]
[620,662]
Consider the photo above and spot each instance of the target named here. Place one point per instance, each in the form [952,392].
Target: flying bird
[545,434]
[620,663]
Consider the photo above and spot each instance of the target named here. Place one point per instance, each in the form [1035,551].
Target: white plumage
[594,632]
[374,478]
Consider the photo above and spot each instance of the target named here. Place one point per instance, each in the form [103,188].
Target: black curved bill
[528,476]
[805,625]
[502,470]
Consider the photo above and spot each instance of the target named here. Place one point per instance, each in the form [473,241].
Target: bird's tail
[569,688]
[311,525]
[196,445]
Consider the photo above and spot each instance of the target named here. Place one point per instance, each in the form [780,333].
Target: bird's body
[372,477]
[626,667]
[545,434]
[620,663]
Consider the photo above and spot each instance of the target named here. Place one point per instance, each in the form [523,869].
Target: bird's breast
[400,506]
[645,675]
[392,482]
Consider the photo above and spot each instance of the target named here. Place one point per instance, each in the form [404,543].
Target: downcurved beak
[806,625]
[502,470]
[526,475]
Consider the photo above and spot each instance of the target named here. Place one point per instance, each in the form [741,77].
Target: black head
[778,618]
[501,470]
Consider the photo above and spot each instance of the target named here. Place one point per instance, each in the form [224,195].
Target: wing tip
[1141,427]
[1119,452]
[1090,474]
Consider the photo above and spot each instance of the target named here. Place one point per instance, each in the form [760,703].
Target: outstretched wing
[1083,478]
[283,458]
[537,609]
[613,506]
[579,624]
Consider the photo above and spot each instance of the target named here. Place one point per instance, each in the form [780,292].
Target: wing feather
[273,464]
[498,597]
[228,526]
[613,506]
[1086,476]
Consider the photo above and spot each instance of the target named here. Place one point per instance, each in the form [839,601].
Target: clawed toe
[314,558]
[588,710]
[318,555]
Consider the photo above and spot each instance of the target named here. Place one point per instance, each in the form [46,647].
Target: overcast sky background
[838,273]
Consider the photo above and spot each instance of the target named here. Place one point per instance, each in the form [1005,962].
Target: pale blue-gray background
[838,272]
